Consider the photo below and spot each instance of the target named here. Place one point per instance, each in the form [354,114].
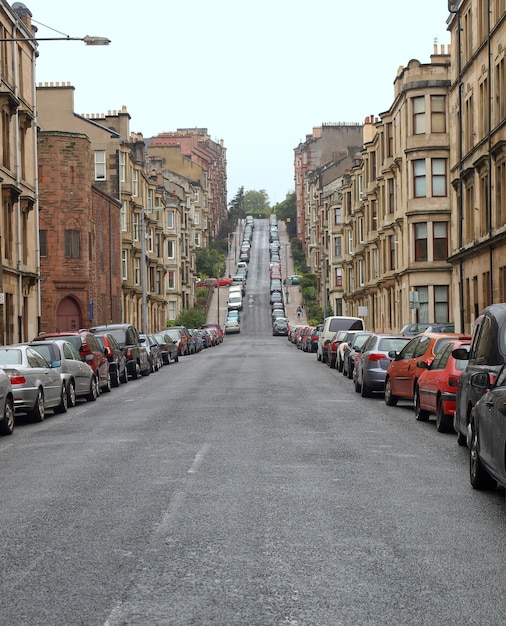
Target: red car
[330,348]
[437,386]
[402,376]
[225,281]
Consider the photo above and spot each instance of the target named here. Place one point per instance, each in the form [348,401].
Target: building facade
[478,156]
[19,250]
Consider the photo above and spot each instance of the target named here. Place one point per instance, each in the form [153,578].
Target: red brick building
[79,237]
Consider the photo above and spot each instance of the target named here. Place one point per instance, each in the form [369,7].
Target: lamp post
[19,28]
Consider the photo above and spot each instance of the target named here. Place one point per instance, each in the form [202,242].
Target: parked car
[196,340]
[6,405]
[313,339]
[232,326]
[118,369]
[190,347]
[331,325]
[294,279]
[179,338]
[129,341]
[280,327]
[353,348]
[90,350]
[331,346]
[488,430]
[487,354]
[415,328]
[79,379]
[154,351]
[404,371]
[36,386]
[437,386]
[372,364]
[168,347]
[225,281]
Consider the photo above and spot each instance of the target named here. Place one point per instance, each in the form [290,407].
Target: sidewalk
[293,298]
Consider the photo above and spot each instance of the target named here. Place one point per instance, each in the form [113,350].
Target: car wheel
[366,392]
[340,366]
[38,411]
[390,399]
[62,407]
[136,372]
[124,377]
[318,356]
[107,387]
[444,423]
[146,372]
[115,381]
[461,439]
[420,414]
[7,421]
[176,358]
[478,475]
[358,387]
[94,390]
[71,394]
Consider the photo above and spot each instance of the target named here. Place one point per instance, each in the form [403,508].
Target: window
[72,250]
[123,215]
[374,215]
[137,271]
[391,250]
[151,204]
[339,277]
[375,265]
[172,310]
[337,216]
[439,177]
[170,249]
[196,217]
[419,115]
[420,242]
[170,219]
[419,178]
[360,186]
[124,265]
[391,195]
[350,241]
[135,182]
[157,246]
[338,248]
[158,285]
[360,230]
[197,239]
[440,241]
[43,242]
[423,304]
[361,272]
[171,280]
[122,167]
[149,240]
[438,114]
[151,279]
[196,195]
[99,164]
[136,227]
[441,305]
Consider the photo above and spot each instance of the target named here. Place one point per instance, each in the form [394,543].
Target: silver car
[36,385]
[6,405]
[77,376]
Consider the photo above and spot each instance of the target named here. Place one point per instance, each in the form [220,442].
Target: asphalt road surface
[246,485]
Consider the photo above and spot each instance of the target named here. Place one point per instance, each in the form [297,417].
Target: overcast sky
[259,75]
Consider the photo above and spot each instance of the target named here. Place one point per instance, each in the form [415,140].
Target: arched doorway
[68,315]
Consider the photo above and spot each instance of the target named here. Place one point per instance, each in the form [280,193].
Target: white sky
[259,75]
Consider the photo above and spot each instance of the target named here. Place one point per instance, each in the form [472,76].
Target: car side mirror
[423,365]
[56,364]
[393,354]
[89,357]
[480,380]
[461,354]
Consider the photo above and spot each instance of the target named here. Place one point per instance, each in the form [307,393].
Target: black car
[154,351]
[486,355]
[488,431]
[129,341]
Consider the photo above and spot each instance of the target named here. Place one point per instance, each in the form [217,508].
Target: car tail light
[128,354]
[376,356]
[453,380]
[493,378]
[17,378]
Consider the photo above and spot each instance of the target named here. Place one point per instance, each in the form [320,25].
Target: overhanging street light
[88,39]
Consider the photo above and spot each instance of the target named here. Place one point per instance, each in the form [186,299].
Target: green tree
[236,206]
[207,260]
[257,203]
[191,318]
[287,212]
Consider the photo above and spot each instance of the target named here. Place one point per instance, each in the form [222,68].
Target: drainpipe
[453,9]
[489,137]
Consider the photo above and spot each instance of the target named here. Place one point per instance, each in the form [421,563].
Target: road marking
[199,457]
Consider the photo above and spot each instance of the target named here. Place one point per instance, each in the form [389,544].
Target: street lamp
[18,28]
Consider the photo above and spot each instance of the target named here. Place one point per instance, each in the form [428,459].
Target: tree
[287,212]
[208,260]
[236,206]
[257,203]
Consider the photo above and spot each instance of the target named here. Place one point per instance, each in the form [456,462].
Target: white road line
[199,457]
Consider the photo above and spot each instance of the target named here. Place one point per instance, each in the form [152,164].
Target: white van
[331,325]
[234,301]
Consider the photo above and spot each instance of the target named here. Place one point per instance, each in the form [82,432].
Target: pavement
[293,295]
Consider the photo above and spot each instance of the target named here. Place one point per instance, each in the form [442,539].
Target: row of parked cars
[458,379]
[55,370]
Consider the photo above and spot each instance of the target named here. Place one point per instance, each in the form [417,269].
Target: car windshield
[119,335]
[10,356]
